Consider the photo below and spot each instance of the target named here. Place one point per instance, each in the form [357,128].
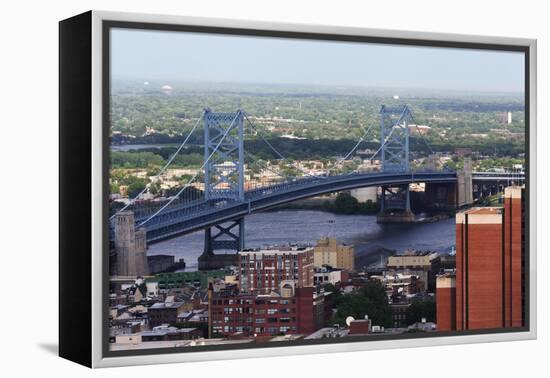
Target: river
[371,240]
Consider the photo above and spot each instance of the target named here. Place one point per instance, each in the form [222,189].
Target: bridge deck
[187,219]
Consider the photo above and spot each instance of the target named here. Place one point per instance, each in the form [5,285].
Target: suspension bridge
[232,182]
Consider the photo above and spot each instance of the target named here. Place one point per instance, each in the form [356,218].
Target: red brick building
[290,311]
[514,283]
[489,284]
[479,268]
[265,270]
[360,327]
[445,299]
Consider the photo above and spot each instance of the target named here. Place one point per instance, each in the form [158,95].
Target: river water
[371,240]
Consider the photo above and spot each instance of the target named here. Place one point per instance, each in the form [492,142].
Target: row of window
[240,319]
[275,320]
[246,329]
[232,301]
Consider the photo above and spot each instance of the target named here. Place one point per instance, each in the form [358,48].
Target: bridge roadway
[182,220]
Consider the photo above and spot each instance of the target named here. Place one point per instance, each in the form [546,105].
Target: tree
[154,188]
[345,203]
[135,186]
[369,300]
[421,309]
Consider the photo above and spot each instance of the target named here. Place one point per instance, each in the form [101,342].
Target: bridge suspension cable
[255,159]
[382,145]
[190,181]
[420,133]
[426,141]
[361,139]
[273,148]
[170,160]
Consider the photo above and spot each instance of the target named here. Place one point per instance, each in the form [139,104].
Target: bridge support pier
[440,196]
[395,205]
[464,185]
[227,236]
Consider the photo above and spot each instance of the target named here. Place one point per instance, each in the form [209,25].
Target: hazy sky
[181,56]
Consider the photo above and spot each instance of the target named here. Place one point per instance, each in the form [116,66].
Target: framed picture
[233,189]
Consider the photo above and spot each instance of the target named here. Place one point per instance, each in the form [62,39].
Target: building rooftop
[279,251]
[484,210]
[160,305]
[480,215]
[164,330]
[328,332]
[414,252]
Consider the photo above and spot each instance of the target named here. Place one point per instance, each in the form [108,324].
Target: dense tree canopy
[369,300]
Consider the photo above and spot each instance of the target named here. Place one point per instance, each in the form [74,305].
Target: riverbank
[343,204]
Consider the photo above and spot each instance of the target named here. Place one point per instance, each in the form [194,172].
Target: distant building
[329,275]
[160,263]
[412,259]
[130,246]
[166,312]
[264,270]
[505,118]
[365,194]
[194,316]
[360,327]
[399,313]
[424,264]
[423,326]
[399,284]
[419,129]
[167,333]
[199,279]
[328,252]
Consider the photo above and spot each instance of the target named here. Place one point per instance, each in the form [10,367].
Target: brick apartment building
[489,281]
[291,310]
[264,270]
